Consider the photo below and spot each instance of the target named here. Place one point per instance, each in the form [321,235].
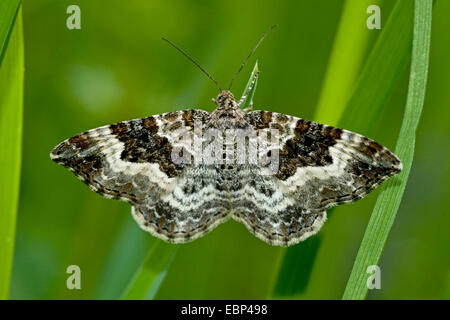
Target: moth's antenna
[194,62]
[251,52]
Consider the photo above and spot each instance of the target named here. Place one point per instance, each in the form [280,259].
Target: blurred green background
[117,68]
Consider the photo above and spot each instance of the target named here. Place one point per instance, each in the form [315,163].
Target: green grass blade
[391,194]
[346,60]
[8,13]
[249,98]
[148,278]
[296,268]
[11,106]
[382,70]
[129,249]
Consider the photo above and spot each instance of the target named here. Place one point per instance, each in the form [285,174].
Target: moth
[185,172]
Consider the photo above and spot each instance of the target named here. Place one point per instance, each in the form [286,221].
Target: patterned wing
[133,161]
[319,167]
[272,214]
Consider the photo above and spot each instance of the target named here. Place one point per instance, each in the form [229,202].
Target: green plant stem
[391,194]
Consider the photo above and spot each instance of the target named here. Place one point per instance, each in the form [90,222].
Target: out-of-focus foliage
[117,68]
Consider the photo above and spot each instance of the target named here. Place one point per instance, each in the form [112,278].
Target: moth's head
[225,100]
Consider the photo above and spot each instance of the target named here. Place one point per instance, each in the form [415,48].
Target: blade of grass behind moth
[129,250]
[296,268]
[11,108]
[347,57]
[391,194]
[382,70]
[248,100]
[149,276]
[347,54]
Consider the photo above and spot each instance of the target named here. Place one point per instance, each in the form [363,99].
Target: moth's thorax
[225,100]
[228,114]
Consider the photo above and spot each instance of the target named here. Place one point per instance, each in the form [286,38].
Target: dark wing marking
[322,166]
[319,167]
